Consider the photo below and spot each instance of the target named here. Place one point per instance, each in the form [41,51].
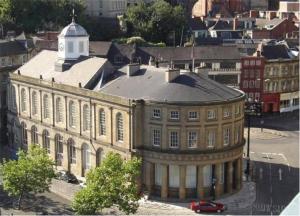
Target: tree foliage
[32,15]
[32,172]
[112,183]
[157,22]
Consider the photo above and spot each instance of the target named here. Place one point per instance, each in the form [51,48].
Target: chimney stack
[132,68]
[171,74]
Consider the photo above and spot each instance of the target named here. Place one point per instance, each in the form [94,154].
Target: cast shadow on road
[38,204]
[276,186]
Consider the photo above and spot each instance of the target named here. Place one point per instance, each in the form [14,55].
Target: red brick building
[252,76]
[274,29]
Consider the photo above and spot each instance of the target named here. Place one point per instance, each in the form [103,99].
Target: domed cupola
[73,42]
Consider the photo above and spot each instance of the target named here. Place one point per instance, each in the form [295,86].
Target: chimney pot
[19,73]
[79,85]
[132,68]
[53,79]
[171,74]
[41,77]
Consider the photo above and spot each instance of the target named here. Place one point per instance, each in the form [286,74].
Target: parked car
[207,206]
[67,177]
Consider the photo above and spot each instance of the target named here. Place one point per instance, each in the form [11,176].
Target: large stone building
[187,128]
[105,8]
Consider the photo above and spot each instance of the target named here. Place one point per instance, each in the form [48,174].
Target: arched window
[46,106]
[86,118]
[46,141]
[72,151]
[86,157]
[34,135]
[23,100]
[72,114]
[59,149]
[102,127]
[59,110]
[24,136]
[34,103]
[13,96]
[119,127]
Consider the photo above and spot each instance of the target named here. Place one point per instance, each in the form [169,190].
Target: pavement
[240,200]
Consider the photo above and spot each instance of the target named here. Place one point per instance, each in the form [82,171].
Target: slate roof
[149,84]
[200,53]
[275,51]
[8,48]
[43,64]
[99,48]
[197,24]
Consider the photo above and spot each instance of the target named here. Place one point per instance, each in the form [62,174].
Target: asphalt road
[275,165]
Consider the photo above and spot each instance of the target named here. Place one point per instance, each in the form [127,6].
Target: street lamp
[252,108]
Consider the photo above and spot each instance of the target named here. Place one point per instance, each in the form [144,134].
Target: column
[238,173]
[200,191]
[164,184]
[65,162]
[149,181]
[219,182]
[182,183]
[229,176]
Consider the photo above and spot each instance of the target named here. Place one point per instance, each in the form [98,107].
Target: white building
[105,8]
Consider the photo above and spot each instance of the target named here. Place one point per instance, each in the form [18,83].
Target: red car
[207,206]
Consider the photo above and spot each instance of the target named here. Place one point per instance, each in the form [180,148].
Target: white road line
[286,160]
[280,174]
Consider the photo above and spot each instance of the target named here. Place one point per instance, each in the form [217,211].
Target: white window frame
[211,114]
[156,137]
[102,122]
[211,138]
[191,176]
[226,113]
[174,176]
[158,174]
[120,127]
[46,113]
[226,136]
[193,115]
[174,115]
[192,139]
[72,114]
[156,113]
[174,139]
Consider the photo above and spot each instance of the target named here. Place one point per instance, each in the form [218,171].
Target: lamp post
[253,108]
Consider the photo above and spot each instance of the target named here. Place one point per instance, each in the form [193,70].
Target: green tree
[112,183]
[157,22]
[32,15]
[32,172]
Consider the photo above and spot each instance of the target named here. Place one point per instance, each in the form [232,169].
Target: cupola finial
[73,15]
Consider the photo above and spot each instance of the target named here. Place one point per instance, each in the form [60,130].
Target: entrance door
[270,107]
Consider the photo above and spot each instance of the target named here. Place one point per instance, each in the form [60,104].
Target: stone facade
[182,165]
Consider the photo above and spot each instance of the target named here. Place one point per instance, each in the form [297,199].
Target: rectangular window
[191,177]
[252,62]
[193,115]
[246,73]
[81,46]
[192,139]
[207,175]
[173,176]
[174,115]
[156,137]
[158,174]
[245,84]
[226,113]
[156,113]
[211,114]
[257,84]
[284,103]
[246,62]
[70,47]
[257,96]
[174,139]
[73,154]
[211,139]
[258,62]
[226,136]
[295,101]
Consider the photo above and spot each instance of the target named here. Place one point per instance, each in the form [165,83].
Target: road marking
[286,160]
[280,174]
[260,173]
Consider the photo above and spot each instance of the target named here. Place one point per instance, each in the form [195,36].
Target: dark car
[207,206]
[67,177]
